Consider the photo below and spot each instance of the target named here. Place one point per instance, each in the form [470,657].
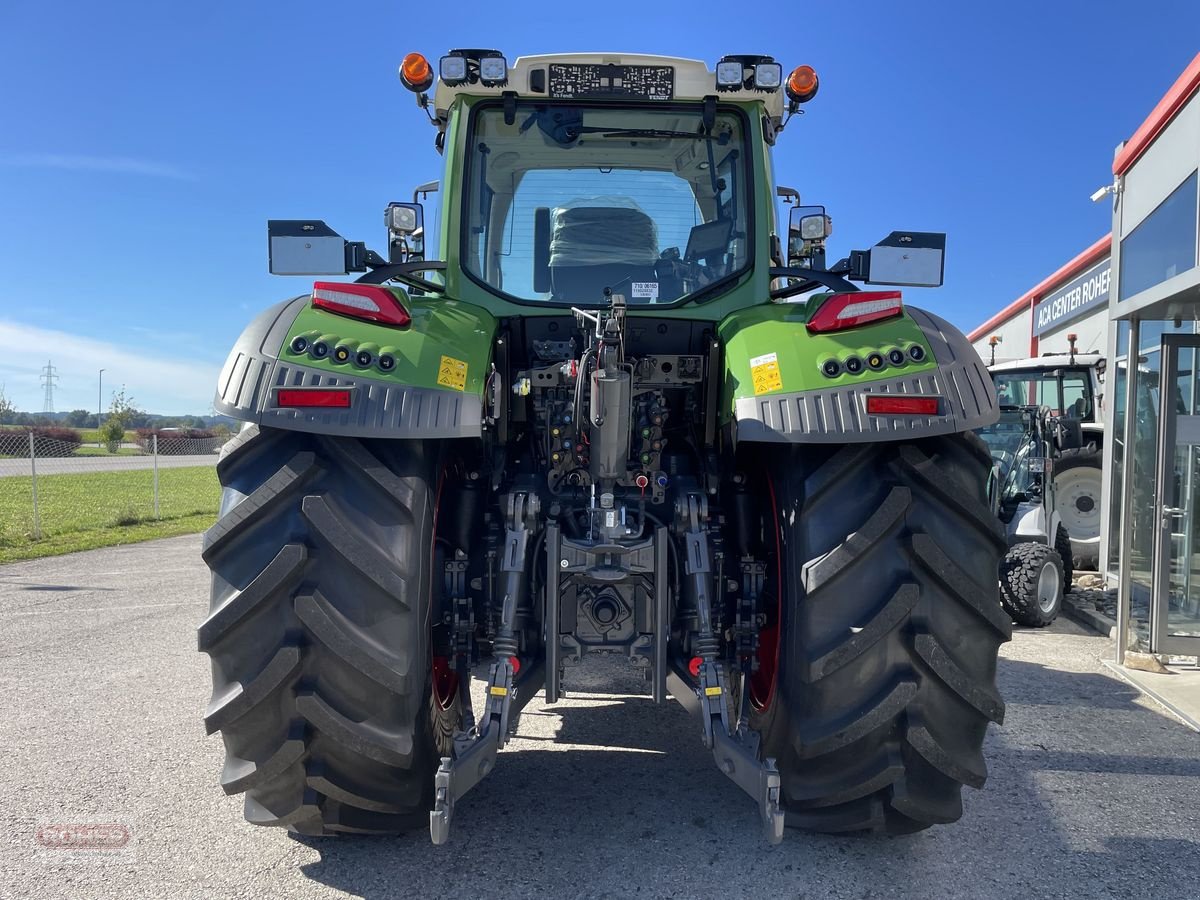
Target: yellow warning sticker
[712,692]
[497,691]
[764,372]
[452,373]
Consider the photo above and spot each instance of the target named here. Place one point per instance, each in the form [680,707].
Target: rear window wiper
[722,138]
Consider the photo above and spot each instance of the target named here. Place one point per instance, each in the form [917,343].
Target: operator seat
[594,247]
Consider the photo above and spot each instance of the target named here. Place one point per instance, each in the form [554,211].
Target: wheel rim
[1049,587]
[445,679]
[1077,494]
[445,682]
[762,681]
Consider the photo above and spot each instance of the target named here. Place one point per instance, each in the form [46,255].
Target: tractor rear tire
[890,629]
[319,631]
[1031,584]
[1078,481]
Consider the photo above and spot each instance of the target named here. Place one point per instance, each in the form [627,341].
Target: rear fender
[775,389]
[434,389]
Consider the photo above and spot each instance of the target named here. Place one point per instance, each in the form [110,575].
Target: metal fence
[52,483]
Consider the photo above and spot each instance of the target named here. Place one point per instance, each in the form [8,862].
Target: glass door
[1175,602]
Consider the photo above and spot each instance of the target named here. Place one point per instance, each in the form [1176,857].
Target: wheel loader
[609,405]
[1038,568]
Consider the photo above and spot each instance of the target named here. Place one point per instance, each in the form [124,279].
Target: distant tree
[8,410]
[124,407]
[122,413]
[77,418]
[22,418]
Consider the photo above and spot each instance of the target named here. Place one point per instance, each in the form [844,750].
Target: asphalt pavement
[1094,790]
[59,465]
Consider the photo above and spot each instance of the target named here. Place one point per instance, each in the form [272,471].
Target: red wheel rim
[762,681]
[445,679]
[445,682]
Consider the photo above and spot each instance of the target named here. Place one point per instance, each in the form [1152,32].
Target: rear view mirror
[406,231]
[808,227]
[903,258]
[305,247]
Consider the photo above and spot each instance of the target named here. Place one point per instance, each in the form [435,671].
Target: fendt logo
[79,836]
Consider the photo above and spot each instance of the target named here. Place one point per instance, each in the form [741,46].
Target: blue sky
[146,143]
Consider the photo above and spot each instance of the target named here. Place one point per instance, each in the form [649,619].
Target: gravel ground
[1094,791]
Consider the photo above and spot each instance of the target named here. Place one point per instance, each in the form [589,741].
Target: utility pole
[49,376]
[99,405]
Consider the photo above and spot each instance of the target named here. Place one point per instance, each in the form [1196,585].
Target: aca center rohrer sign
[1073,299]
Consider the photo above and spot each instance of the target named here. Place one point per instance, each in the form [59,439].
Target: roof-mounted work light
[493,70]
[729,76]
[768,76]
[749,72]
[453,70]
[486,67]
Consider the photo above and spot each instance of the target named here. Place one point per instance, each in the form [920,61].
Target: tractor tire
[883,683]
[1031,584]
[1078,480]
[319,632]
[1062,543]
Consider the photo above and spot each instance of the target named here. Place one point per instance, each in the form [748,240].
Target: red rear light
[890,405]
[841,311]
[307,398]
[362,301]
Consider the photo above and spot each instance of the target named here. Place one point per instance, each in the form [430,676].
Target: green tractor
[606,411]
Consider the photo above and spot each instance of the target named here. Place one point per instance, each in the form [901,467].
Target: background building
[1135,296]
[1071,300]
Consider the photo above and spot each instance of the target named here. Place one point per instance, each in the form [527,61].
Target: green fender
[421,381]
[776,387]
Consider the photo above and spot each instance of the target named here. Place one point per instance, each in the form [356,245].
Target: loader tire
[889,632]
[1078,480]
[1062,543]
[319,631]
[1031,584]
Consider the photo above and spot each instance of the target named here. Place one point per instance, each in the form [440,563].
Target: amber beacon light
[802,84]
[416,72]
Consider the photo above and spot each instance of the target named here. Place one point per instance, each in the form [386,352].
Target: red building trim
[1181,91]
[1030,298]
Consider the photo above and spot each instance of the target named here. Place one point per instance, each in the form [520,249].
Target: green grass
[102,509]
[92,436]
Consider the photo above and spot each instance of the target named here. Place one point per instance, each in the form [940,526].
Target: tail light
[313,398]
[361,301]
[841,311]
[893,405]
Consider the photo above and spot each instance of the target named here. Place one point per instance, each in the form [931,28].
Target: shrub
[178,441]
[112,432]
[47,441]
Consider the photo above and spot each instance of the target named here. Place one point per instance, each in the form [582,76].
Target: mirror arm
[809,279]
[402,272]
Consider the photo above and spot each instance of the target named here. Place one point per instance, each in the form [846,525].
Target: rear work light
[313,398]
[892,405]
[840,311]
[361,301]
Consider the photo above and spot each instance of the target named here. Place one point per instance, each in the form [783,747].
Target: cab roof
[1052,361]
[693,80]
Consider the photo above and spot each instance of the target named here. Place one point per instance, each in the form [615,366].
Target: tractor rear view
[622,412]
